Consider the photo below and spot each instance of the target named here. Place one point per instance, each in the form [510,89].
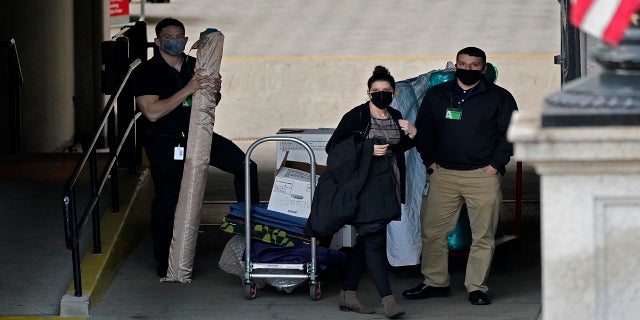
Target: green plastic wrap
[460,237]
[440,76]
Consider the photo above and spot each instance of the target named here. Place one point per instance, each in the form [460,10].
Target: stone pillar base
[590,217]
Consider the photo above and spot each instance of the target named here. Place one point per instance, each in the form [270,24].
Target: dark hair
[381,73]
[474,52]
[168,22]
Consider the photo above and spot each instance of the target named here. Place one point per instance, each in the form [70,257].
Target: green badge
[453,114]
[187,102]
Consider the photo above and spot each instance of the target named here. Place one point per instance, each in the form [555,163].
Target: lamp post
[610,97]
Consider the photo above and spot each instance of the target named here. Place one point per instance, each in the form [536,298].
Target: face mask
[174,46]
[468,77]
[381,99]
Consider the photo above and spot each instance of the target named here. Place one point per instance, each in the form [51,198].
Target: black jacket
[358,120]
[478,139]
[356,188]
[335,199]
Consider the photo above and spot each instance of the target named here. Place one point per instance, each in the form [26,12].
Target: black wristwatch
[429,171]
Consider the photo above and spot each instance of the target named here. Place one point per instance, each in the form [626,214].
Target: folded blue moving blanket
[260,215]
[268,253]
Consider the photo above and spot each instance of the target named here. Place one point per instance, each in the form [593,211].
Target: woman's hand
[380,149]
[407,127]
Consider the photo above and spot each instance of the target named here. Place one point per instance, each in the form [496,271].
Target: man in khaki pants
[461,138]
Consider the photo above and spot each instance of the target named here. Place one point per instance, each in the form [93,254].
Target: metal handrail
[72,225]
[15,80]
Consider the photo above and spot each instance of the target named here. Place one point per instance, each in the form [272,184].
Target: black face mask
[468,77]
[381,99]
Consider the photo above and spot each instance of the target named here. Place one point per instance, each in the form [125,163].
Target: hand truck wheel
[250,290]
[314,291]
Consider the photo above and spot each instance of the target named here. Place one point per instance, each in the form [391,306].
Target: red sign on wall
[119,12]
[119,8]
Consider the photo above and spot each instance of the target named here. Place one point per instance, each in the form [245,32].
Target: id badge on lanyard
[453,114]
[178,153]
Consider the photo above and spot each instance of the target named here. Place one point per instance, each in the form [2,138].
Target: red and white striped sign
[603,19]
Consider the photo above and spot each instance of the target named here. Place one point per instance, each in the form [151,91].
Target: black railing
[74,224]
[13,84]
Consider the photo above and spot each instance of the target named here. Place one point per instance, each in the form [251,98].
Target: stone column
[585,144]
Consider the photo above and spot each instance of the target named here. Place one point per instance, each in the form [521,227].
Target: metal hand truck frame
[310,267]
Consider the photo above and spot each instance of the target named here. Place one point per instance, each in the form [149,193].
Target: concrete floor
[37,266]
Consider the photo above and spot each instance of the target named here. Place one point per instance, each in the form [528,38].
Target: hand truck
[302,270]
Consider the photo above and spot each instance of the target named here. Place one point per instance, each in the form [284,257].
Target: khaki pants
[448,190]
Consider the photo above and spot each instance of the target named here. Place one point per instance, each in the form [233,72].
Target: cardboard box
[291,192]
[315,138]
[291,195]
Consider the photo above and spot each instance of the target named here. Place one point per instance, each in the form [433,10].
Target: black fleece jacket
[348,192]
[357,121]
[476,140]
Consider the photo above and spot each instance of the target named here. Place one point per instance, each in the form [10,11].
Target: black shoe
[423,291]
[479,298]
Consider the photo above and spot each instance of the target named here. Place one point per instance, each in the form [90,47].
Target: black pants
[369,253]
[167,176]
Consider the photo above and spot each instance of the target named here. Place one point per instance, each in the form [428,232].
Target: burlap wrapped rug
[194,179]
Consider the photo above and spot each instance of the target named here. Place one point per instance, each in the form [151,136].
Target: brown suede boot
[391,309]
[349,302]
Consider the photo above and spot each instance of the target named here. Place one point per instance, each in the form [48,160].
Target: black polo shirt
[156,77]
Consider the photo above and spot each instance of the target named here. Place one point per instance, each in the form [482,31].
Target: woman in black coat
[377,136]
